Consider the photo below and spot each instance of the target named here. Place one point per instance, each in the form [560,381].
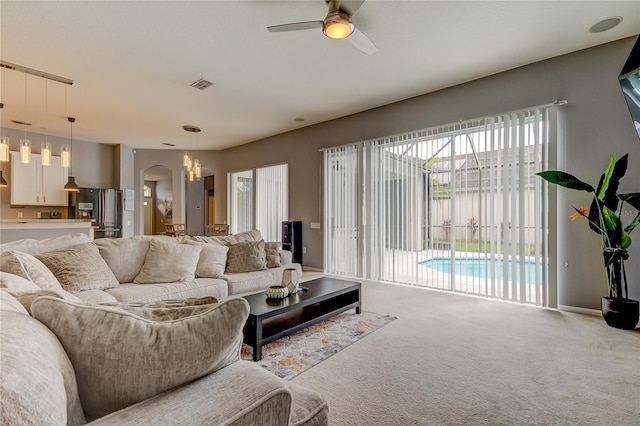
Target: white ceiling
[132,62]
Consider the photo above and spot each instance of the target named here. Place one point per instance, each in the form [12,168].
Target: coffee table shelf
[271,320]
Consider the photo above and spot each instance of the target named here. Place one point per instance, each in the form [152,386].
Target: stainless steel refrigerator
[104,208]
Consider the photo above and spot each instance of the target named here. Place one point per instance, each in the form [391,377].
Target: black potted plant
[604,218]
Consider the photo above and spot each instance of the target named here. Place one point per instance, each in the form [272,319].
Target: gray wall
[124,171]
[598,125]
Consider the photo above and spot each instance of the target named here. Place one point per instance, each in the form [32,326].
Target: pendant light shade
[25,151]
[71,185]
[3,182]
[65,156]
[4,149]
[45,154]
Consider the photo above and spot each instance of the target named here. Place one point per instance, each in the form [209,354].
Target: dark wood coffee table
[270,320]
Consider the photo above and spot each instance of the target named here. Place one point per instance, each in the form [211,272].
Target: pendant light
[4,141]
[45,147]
[71,185]
[25,144]
[191,166]
[3,182]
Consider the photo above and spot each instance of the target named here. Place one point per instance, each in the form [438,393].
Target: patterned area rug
[293,354]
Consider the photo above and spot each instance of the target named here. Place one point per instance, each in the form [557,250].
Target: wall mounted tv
[630,83]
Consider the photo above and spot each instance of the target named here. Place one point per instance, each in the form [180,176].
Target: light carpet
[457,360]
[291,355]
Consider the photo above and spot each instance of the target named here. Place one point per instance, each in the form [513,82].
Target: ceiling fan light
[337,26]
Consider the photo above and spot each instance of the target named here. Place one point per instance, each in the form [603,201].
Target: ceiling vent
[190,128]
[201,84]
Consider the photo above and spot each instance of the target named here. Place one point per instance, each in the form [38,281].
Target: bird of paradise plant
[604,217]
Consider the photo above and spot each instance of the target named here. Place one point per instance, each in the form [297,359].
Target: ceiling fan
[337,25]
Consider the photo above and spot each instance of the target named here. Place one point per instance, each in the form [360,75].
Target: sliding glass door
[258,199]
[457,208]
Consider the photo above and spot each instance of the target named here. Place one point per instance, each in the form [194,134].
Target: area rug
[293,354]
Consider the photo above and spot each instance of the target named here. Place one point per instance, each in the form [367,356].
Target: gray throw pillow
[272,251]
[247,256]
[121,358]
[79,268]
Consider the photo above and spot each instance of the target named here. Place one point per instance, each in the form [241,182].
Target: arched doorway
[158,199]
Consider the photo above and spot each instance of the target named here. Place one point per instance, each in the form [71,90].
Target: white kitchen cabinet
[36,185]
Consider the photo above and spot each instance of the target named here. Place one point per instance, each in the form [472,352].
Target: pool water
[481,268]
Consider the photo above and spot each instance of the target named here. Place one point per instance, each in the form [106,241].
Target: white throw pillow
[213,260]
[124,256]
[168,262]
[27,266]
[121,358]
[79,268]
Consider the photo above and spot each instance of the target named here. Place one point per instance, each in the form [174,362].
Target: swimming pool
[481,268]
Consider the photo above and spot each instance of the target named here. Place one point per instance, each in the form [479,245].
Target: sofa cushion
[121,358]
[250,282]
[124,256]
[272,251]
[15,282]
[79,268]
[308,407]
[212,261]
[95,296]
[10,303]
[168,262]
[199,287]
[246,257]
[27,266]
[38,385]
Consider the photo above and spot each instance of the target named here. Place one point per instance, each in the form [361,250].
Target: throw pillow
[121,358]
[79,268]
[272,251]
[27,266]
[247,256]
[124,256]
[213,259]
[168,262]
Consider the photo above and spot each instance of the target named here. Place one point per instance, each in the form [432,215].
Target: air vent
[24,123]
[201,84]
[168,144]
[192,129]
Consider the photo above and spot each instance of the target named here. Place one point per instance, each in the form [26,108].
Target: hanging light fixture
[3,182]
[4,141]
[71,185]
[192,166]
[45,147]
[25,144]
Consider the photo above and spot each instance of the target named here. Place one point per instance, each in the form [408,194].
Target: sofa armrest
[242,393]
[286,257]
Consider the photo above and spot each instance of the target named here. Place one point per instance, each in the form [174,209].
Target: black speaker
[292,239]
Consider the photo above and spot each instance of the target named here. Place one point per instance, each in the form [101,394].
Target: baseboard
[311,269]
[577,310]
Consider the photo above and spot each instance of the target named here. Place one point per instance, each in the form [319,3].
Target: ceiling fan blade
[362,42]
[350,6]
[296,26]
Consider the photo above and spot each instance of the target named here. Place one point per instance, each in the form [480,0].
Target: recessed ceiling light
[168,144]
[191,128]
[606,24]
[300,119]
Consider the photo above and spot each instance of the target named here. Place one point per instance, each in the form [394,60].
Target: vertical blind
[266,188]
[456,207]
[271,201]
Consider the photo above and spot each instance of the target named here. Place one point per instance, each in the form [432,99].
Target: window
[457,208]
[259,199]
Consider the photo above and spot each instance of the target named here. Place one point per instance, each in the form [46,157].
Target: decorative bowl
[277,292]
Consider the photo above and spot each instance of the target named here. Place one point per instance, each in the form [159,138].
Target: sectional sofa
[141,330]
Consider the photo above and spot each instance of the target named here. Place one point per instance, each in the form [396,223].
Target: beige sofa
[88,336]
[150,268]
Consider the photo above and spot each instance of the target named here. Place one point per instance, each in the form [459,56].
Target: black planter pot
[620,312]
